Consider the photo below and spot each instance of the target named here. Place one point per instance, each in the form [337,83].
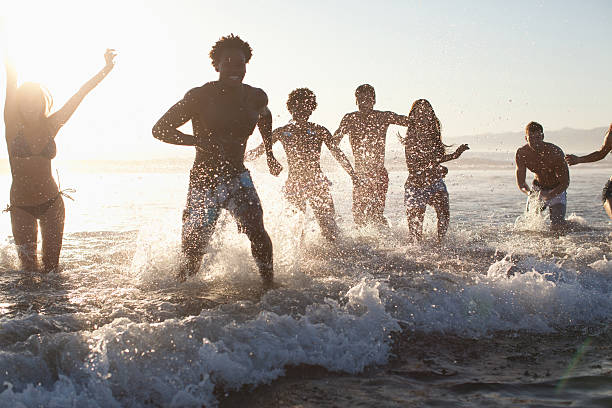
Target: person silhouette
[30,131]
[302,141]
[223,114]
[367,131]
[425,185]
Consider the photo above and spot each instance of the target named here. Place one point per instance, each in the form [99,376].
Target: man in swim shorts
[551,180]
[597,155]
[367,130]
[223,114]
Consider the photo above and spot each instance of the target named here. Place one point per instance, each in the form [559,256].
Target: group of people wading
[223,114]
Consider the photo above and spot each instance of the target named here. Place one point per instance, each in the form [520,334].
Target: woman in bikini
[425,183]
[30,132]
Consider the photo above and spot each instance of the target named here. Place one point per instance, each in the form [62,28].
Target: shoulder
[321,130]
[555,151]
[349,117]
[257,95]
[521,153]
[199,92]
[282,129]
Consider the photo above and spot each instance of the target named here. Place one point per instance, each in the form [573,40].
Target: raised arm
[339,155]
[264,123]
[596,155]
[59,118]
[521,173]
[166,128]
[11,90]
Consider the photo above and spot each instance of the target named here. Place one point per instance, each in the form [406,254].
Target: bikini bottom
[36,211]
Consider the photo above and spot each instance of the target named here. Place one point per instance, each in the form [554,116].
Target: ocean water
[503,313]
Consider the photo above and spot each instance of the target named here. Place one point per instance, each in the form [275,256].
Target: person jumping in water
[302,141]
[367,130]
[593,157]
[547,162]
[425,183]
[223,114]
[30,132]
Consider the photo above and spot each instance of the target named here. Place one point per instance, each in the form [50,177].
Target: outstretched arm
[11,90]
[166,128]
[59,118]
[596,155]
[456,154]
[265,128]
[396,119]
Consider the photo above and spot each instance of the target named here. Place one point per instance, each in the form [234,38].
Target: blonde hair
[33,88]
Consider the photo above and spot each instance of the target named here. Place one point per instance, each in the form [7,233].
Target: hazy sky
[486,66]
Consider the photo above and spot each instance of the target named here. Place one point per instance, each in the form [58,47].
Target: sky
[486,66]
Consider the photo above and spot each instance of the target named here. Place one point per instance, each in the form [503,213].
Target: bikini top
[21,148]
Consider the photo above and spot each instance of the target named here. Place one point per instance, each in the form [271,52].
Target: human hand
[109,57]
[274,166]
[250,155]
[571,159]
[462,149]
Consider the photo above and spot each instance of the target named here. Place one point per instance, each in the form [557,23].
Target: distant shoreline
[395,162]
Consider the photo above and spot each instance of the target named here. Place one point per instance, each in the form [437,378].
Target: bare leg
[52,231]
[323,208]
[379,196]
[415,217]
[25,232]
[360,192]
[261,248]
[198,227]
[440,202]
[557,217]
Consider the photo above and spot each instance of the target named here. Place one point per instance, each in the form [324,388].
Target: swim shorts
[556,205]
[419,197]
[236,194]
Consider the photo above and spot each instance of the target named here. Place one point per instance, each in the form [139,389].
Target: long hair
[27,90]
[422,120]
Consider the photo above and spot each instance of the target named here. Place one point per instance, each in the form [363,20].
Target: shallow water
[504,313]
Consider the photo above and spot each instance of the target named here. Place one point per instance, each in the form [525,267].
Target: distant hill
[570,140]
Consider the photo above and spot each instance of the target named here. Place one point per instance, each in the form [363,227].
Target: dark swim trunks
[236,194]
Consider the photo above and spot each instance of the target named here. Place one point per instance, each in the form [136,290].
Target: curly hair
[230,42]
[301,98]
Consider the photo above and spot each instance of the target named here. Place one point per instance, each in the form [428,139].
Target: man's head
[534,135]
[229,56]
[366,97]
[301,103]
